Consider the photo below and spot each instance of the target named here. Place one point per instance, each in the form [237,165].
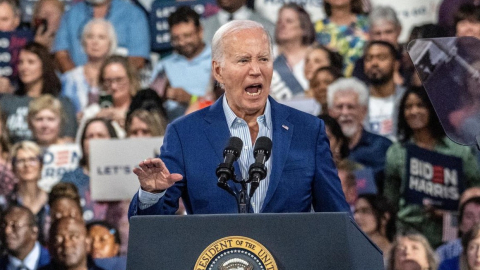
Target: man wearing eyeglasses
[19,234]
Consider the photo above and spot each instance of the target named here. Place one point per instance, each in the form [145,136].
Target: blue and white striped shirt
[239,128]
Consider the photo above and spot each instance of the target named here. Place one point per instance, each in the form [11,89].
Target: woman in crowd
[27,167]
[46,20]
[294,34]
[114,212]
[37,77]
[319,56]
[96,128]
[64,201]
[345,30]
[105,240]
[46,120]
[411,250]
[120,81]
[376,217]
[81,84]
[418,126]
[338,141]
[319,81]
[142,123]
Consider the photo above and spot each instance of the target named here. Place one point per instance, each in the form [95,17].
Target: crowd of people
[81,76]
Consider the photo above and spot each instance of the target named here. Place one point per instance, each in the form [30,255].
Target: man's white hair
[230,28]
[344,85]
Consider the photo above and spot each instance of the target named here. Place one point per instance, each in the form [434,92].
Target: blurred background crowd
[75,71]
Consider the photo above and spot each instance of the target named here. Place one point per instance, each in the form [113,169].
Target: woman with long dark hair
[37,77]
[418,126]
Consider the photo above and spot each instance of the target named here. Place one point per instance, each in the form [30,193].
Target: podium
[290,241]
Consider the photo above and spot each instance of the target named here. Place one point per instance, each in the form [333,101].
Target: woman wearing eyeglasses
[120,83]
[27,167]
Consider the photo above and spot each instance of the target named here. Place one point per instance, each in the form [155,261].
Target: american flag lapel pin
[285,127]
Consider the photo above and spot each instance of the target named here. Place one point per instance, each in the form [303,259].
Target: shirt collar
[30,261]
[265,118]
[242,13]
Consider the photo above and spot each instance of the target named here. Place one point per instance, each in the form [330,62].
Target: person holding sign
[419,127]
[301,173]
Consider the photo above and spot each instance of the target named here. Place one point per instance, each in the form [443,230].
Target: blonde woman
[411,250]
[27,166]
[46,119]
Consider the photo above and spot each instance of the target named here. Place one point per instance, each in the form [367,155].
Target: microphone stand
[242,197]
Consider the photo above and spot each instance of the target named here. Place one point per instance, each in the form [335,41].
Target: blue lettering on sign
[48,158]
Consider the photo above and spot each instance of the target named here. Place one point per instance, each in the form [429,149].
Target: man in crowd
[385,95]
[130,25]
[348,104]
[301,172]
[9,15]
[191,59]
[19,234]
[385,26]
[69,245]
[233,10]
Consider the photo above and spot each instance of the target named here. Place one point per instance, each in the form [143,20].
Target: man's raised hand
[154,176]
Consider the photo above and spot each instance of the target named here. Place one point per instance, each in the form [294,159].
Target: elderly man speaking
[301,172]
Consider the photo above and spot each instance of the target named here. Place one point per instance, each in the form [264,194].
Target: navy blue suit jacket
[42,261]
[302,174]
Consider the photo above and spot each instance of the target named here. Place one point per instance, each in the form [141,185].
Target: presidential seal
[235,253]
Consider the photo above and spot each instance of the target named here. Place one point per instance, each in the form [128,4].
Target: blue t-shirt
[130,23]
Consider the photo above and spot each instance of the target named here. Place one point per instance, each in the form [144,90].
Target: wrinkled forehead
[238,37]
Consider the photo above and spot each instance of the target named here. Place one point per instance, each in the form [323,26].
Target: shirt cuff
[148,199]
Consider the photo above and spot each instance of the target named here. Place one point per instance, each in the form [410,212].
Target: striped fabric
[239,128]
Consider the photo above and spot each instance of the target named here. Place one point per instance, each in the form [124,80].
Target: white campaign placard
[412,13]
[57,160]
[112,163]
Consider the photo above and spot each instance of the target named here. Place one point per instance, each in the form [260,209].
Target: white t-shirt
[380,115]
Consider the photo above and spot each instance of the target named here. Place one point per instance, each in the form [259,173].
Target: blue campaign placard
[433,178]
[10,45]
[365,181]
[159,19]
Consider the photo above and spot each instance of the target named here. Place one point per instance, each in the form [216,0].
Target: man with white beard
[348,103]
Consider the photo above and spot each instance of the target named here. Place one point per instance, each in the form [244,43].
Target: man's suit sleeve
[171,154]
[327,189]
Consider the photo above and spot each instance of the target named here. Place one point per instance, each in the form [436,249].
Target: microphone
[225,170]
[258,170]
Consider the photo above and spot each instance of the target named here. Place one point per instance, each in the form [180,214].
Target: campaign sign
[434,178]
[161,10]
[365,181]
[10,45]
[112,163]
[57,160]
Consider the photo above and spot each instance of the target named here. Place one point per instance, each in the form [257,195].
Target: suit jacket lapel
[282,137]
[218,133]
